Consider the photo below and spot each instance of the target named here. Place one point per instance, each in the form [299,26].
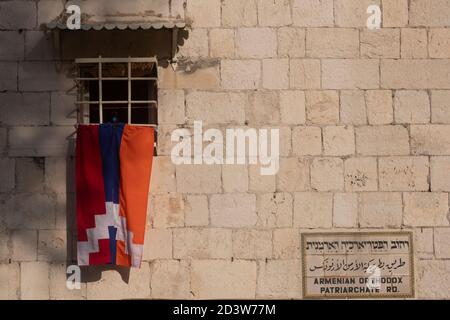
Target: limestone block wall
[364,119]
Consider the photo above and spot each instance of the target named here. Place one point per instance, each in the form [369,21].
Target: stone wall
[364,119]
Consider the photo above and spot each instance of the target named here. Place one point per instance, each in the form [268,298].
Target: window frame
[81,104]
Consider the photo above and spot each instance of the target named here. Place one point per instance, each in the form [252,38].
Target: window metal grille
[117,90]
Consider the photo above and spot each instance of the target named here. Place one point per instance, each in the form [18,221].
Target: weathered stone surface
[433,279]
[440,106]
[345,210]
[322,107]
[163,175]
[241,74]
[5,246]
[310,13]
[286,243]
[306,140]
[263,108]
[291,42]
[293,175]
[34,281]
[353,107]
[440,173]
[441,240]
[382,43]
[233,210]
[429,13]
[196,211]
[252,244]
[279,279]
[223,279]
[216,107]
[327,174]
[43,76]
[30,141]
[3,139]
[157,244]
[9,281]
[30,174]
[17,15]
[204,13]
[395,13]
[52,245]
[292,107]
[332,43]
[166,210]
[48,10]
[423,242]
[24,245]
[29,211]
[379,107]
[412,106]
[274,210]
[313,210]
[338,141]
[7,174]
[205,76]
[439,43]
[202,243]
[13,44]
[352,13]
[222,43]
[237,13]
[259,183]
[113,287]
[414,43]
[425,209]
[430,139]
[380,210]
[39,46]
[197,46]
[275,73]
[304,73]
[274,13]
[415,74]
[382,140]
[169,279]
[8,81]
[361,174]
[63,109]
[404,174]
[256,42]
[171,105]
[198,178]
[350,74]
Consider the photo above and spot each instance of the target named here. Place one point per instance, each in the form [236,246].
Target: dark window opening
[118,90]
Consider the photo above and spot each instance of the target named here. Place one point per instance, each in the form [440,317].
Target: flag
[113,169]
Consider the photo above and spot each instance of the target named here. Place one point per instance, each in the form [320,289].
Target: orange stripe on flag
[136,158]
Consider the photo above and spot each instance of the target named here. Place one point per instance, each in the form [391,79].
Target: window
[117,90]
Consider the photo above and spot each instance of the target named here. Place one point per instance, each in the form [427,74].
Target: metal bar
[113,60]
[118,102]
[118,79]
[129,92]
[100,90]
[131,124]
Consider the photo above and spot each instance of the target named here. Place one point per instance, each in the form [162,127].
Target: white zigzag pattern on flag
[101,231]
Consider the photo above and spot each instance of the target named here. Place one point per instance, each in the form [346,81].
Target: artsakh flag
[113,169]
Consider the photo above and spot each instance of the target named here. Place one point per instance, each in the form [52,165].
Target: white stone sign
[358,265]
